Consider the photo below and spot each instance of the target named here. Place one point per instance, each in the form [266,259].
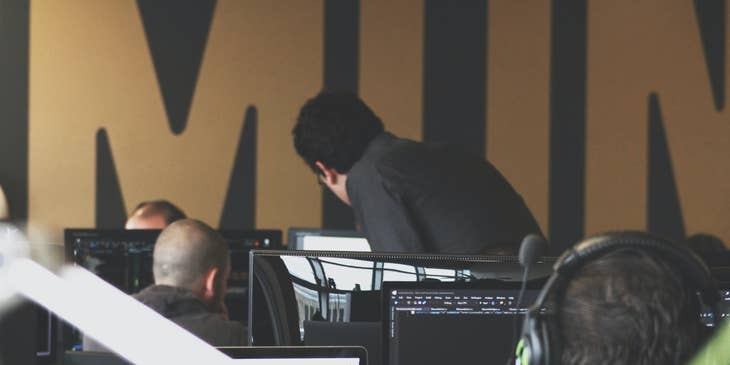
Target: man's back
[182,307]
[411,196]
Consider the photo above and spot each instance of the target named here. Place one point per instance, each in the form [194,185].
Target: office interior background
[603,115]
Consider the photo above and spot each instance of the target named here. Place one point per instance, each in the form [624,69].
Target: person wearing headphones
[620,298]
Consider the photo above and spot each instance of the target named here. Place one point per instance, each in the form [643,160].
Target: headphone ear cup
[522,352]
[530,349]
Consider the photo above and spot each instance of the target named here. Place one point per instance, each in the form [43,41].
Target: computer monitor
[476,321]
[327,240]
[723,307]
[124,259]
[48,326]
[46,335]
[290,287]
[365,334]
[330,355]
[92,358]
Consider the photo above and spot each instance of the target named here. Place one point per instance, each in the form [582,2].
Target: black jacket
[184,308]
[416,197]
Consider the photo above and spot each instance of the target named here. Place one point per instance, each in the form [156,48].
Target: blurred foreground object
[716,351]
[13,245]
[17,317]
[4,210]
[68,295]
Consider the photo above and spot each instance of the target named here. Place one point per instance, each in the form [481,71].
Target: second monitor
[476,321]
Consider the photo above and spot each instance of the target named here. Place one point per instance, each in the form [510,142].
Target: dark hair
[629,307]
[169,211]
[335,128]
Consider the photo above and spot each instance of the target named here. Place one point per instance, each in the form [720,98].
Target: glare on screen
[326,243]
[343,361]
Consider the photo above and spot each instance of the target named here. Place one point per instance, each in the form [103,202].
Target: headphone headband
[678,254]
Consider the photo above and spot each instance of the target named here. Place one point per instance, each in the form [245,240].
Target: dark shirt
[188,311]
[416,197]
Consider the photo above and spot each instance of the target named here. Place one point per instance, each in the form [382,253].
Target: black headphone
[540,340]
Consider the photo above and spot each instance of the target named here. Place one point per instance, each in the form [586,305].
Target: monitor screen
[298,361]
[327,240]
[475,320]
[345,286]
[723,307]
[124,259]
[478,321]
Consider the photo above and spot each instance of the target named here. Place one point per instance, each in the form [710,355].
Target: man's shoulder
[214,329]
[387,151]
[217,321]
[412,159]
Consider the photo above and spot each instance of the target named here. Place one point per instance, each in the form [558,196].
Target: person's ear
[209,284]
[330,174]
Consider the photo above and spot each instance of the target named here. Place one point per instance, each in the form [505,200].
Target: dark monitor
[18,334]
[46,336]
[476,321]
[92,358]
[124,259]
[28,334]
[47,324]
[365,334]
[717,260]
[327,240]
[290,287]
[723,307]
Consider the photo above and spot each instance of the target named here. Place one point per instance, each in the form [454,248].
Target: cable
[523,287]
[469,276]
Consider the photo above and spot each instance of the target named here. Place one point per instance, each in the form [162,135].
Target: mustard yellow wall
[90,68]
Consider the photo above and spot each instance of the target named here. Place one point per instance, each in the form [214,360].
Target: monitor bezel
[296,352]
[69,234]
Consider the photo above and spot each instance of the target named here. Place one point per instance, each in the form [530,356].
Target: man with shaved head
[191,264]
